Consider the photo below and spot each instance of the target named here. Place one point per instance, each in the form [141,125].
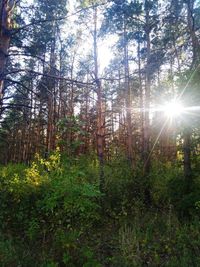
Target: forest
[99,133]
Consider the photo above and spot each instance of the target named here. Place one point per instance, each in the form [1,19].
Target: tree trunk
[147,99]
[141,102]
[195,62]
[130,152]
[100,135]
[5,36]
[187,155]
[193,36]
[51,98]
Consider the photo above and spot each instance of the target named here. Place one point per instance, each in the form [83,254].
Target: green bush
[40,201]
[52,214]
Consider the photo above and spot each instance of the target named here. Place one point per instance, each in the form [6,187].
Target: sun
[173,109]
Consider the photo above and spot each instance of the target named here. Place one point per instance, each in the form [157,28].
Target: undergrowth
[52,215]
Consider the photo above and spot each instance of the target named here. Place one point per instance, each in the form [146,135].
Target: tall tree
[6,25]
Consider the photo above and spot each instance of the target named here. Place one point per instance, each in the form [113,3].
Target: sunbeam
[173,109]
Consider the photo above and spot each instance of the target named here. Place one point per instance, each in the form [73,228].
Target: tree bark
[100,134]
[5,37]
[193,36]
[195,62]
[187,154]
[147,97]
[130,152]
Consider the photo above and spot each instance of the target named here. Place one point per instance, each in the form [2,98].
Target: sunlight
[173,109]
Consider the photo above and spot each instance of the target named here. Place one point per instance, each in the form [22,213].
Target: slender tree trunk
[141,102]
[187,155]
[193,36]
[147,99]
[195,62]
[51,98]
[176,55]
[71,103]
[130,152]
[100,114]
[6,8]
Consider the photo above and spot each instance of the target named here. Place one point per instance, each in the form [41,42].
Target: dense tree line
[48,86]
[45,81]
[140,112]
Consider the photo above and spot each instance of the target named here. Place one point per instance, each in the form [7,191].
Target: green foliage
[52,214]
[46,203]
[168,187]
[161,175]
[184,197]
[159,240]
[123,187]
[70,128]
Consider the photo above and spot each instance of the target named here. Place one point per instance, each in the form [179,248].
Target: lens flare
[173,109]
